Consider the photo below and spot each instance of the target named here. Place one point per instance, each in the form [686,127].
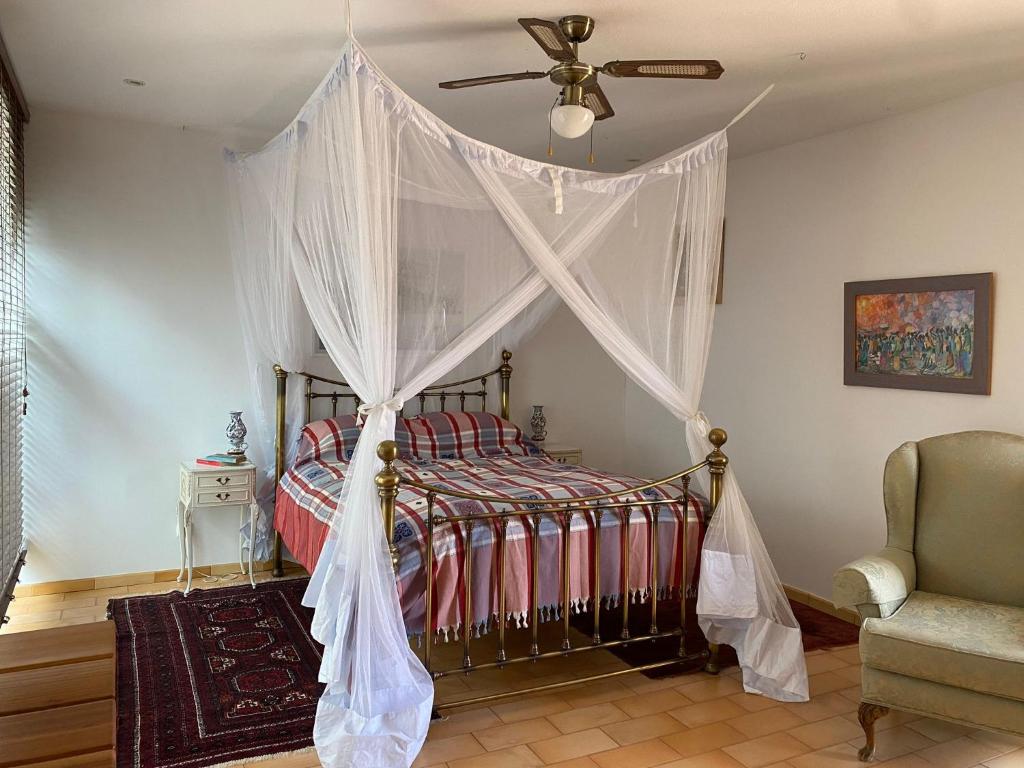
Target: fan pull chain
[590,157]
[551,149]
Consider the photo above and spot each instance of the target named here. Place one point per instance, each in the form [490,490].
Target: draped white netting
[411,246]
[273,318]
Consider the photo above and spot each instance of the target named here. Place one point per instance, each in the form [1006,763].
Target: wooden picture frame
[319,348]
[943,340]
[720,288]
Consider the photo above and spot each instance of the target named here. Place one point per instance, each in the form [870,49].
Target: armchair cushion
[950,640]
[970,516]
[883,580]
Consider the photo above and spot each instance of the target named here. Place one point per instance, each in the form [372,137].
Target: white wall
[564,369]
[934,192]
[135,350]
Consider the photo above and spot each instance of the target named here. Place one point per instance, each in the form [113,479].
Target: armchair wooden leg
[867,714]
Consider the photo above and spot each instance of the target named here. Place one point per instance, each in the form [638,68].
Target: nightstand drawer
[225,480]
[564,454]
[568,458]
[212,497]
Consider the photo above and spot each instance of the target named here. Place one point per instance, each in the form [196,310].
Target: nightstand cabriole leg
[241,539]
[254,516]
[188,547]
[181,540]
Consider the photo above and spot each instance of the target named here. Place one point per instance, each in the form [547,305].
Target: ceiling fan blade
[595,100]
[687,69]
[488,79]
[550,37]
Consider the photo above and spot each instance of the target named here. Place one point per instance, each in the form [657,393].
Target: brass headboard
[341,391]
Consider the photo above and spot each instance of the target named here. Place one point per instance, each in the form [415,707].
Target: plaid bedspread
[307,499]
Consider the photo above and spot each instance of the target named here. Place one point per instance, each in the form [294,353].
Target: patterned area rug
[219,676]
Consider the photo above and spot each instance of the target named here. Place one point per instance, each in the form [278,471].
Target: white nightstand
[563,454]
[209,487]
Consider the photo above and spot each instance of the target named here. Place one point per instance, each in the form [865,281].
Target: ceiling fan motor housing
[574,74]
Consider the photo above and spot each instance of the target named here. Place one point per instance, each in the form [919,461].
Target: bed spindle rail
[531,513]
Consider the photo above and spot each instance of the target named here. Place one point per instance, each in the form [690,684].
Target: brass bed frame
[389,481]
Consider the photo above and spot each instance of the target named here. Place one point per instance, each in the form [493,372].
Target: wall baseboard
[136,579]
[223,569]
[821,604]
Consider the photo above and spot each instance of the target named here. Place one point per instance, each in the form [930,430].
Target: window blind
[13,392]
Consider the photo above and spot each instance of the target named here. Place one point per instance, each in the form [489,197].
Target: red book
[208,463]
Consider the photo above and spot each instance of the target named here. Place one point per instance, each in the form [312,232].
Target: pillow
[328,439]
[460,435]
[451,435]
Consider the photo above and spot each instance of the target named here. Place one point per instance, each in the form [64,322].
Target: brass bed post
[282,393]
[387,481]
[717,462]
[506,374]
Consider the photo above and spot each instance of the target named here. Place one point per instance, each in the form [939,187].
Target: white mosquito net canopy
[410,246]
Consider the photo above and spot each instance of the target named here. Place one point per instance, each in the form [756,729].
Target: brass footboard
[531,512]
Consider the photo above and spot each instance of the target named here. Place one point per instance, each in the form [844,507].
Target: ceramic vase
[539,423]
[235,433]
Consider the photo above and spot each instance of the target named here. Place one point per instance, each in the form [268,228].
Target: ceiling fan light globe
[570,121]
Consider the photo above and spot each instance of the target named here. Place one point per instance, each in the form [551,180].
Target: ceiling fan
[582,101]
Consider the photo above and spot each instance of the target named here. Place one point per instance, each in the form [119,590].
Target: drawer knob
[223,480]
[223,496]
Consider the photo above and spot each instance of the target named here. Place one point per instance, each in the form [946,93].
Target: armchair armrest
[877,584]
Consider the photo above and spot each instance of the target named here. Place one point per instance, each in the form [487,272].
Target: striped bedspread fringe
[553,612]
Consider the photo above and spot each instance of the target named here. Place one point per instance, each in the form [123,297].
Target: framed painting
[932,333]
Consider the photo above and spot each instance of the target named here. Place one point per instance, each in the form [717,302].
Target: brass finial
[717,437]
[279,372]
[717,462]
[506,355]
[387,451]
[387,482]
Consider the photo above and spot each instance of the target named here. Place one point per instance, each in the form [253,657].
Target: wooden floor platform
[57,705]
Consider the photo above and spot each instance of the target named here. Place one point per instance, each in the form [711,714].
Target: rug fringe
[261,758]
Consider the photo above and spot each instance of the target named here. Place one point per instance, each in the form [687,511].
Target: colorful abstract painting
[928,333]
[916,334]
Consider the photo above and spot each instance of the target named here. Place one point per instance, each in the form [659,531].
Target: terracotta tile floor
[689,721]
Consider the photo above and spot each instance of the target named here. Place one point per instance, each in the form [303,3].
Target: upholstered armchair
[942,605]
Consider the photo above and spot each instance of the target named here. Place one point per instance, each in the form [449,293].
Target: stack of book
[221,460]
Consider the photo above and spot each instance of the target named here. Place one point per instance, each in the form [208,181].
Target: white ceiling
[246,66]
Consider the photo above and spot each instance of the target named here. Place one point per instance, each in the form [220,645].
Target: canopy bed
[481,526]
[410,245]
